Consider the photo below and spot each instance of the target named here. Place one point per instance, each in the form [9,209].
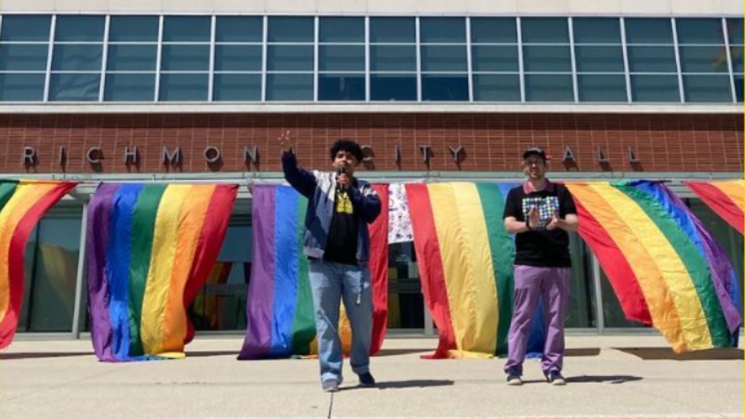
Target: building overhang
[371,108]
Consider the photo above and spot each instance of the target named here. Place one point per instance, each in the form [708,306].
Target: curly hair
[348,146]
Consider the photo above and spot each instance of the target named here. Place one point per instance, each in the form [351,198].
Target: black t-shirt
[542,247]
[342,240]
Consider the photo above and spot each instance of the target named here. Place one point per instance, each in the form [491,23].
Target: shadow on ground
[667,354]
[595,379]
[407,384]
[406,351]
[203,354]
[592,379]
[582,352]
[39,355]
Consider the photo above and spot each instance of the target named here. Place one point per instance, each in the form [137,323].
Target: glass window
[703,59]
[237,87]
[392,58]
[596,30]
[652,59]
[737,59]
[22,87]
[183,87]
[612,312]
[185,58]
[341,30]
[77,57]
[444,58]
[734,30]
[18,57]
[239,29]
[549,88]
[129,87]
[485,30]
[34,28]
[581,309]
[237,57]
[442,30]
[341,87]
[79,28]
[133,29]
[739,87]
[290,58]
[547,58]
[445,87]
[221,303]
[654,88]
[341,58]
[496,87]
[131,57]
[495,58]
[392,30]
[699,31]
[601,88]
[599,59]
[291,29]
[187,29]
[289,87]
[393,87]
[405,300]
[648,31]
[539,30]
[707,88]
[74,87]
[51,274]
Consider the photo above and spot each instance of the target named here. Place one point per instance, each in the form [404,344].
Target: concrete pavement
[609,377]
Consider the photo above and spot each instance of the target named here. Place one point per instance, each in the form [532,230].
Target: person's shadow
[405,384]
[593,379]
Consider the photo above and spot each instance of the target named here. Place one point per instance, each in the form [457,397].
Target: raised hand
[285,143]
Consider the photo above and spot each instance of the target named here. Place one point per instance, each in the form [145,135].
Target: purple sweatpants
[552,284]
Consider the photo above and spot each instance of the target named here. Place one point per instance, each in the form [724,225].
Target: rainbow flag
[279,304]
[726,198]
[22,204]
[465,258]
[665,268]
[150,249]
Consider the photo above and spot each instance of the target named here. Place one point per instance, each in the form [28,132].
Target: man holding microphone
[337,244]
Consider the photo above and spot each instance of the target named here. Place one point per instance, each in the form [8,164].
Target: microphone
[340,171]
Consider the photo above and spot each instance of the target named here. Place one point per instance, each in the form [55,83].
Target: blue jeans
[329,283]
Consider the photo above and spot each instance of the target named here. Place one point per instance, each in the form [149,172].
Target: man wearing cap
[539,213]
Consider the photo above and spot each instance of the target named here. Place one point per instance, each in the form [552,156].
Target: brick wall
[680,143]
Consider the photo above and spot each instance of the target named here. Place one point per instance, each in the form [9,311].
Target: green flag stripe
[143,228]
[503,254]
[303,325]
[694,262]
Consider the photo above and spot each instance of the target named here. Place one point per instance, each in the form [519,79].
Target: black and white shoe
[514,380]
[555,378]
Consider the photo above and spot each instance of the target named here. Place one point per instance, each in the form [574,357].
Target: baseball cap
[534,151]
